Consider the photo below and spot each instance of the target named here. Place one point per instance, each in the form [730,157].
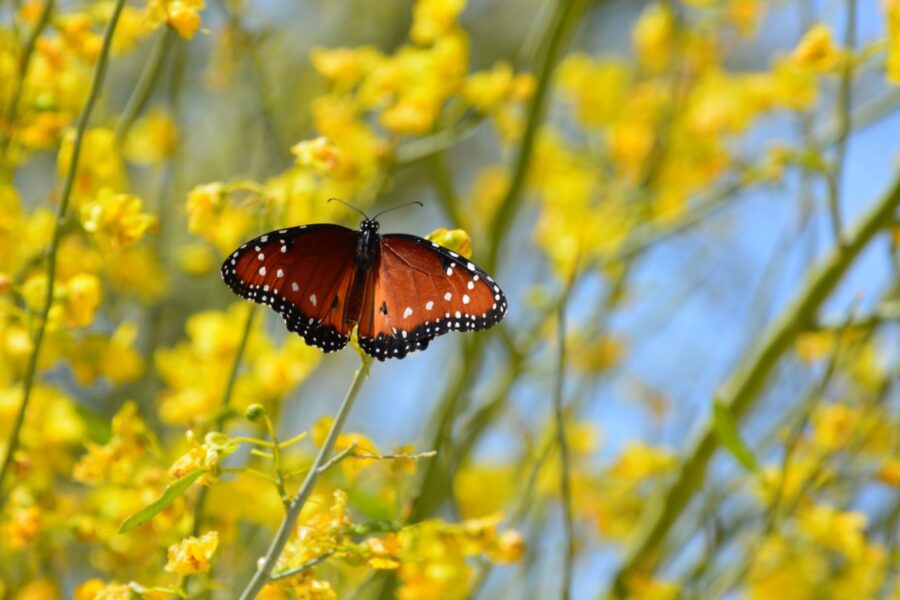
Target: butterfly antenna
[350,206]
[387,210]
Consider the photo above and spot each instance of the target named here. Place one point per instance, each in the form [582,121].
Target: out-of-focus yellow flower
[804,474]
[23,527]
[642,587]
[152,139]
[746,15]
[113,357]
[598,353]
[892,15]
[182,15]
[483,489]
[345,67]
[817,50]
[889,473]
[115,461]
[485,90]
[116,219]
[216,217]
[137,270]
[39,589]
[434,18]
[192,555]
[834,426]
[814,345]
[83,294]
[321,156]
[596,87]
[457,240]
[639,461]
[197,259]
[836,530]
[654,36]
[99,166]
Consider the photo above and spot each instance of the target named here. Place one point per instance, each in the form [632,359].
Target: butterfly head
[369,225]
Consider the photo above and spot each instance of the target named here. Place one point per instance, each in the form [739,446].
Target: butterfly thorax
[367,246]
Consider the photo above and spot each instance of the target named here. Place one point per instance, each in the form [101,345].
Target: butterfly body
[401,291]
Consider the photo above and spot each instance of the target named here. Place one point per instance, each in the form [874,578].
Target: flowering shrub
[160,438]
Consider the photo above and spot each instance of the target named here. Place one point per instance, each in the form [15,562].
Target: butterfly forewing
[305,274]
[422,290]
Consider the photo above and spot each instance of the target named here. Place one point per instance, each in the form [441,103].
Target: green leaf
[380,526]
[730,437]
[172,491]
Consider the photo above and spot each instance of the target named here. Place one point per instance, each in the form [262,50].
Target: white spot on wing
[447,296]
[262,271]
[279,273]
[449,271]
[470,285]
[313,299]
[407,312]
[465,298]
[428,305]
[295,287]
[261,256]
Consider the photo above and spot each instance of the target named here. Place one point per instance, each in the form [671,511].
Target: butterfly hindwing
[305,274]
[422,290]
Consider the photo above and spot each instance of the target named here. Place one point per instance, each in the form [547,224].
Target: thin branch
[12,110]
[844,104]
[261,577]
[741,390]
[304,567]
[567,13]
[565,483]
[145,82]
[56,236]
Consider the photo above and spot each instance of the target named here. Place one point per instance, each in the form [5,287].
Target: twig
[565,16]
[145,82]
[56,236]
[12,109]
[844,105]
[565,483]
[261,577]
[742,388]
[304,567]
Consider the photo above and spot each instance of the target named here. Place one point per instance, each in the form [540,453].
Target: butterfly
[400,290]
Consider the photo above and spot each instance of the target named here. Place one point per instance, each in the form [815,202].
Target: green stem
[565,16]
[565,482]
[25,63]
[145,82]
[740,391]
[262,575]
[53,248]
[844,105]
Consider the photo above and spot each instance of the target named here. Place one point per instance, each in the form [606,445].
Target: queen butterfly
[401,290]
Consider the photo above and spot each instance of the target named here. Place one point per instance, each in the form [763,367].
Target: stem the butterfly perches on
[263,574]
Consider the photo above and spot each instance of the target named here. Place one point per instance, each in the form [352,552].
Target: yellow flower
[746,15]
[889,473]
[345,67]
[83,295]
[116,219]
[321,156]
[182,15]
[485,90]
[836,530]
[152,139]
[192,554]
[654,36]
[454,239]
[817,51]
[639,461]
[100,164]
[597,88]
[434,18]
[892,15]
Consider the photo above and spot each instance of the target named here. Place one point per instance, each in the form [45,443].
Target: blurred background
[690,204]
